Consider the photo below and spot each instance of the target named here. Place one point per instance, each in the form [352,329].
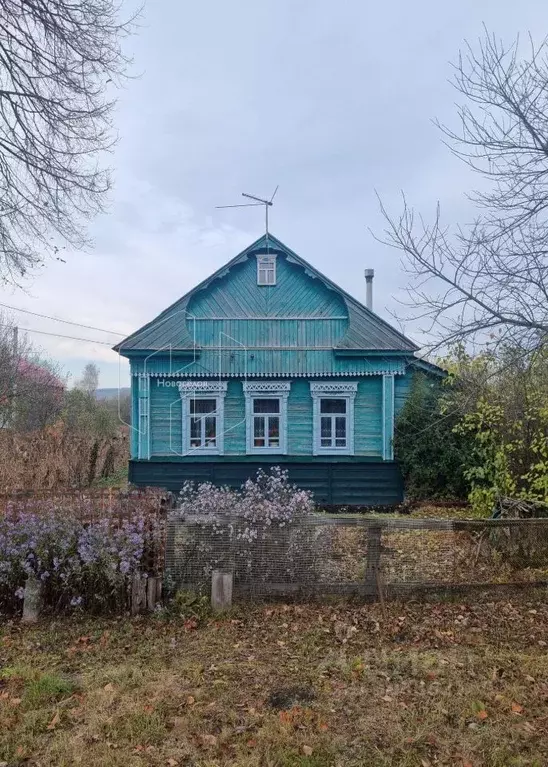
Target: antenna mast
[257,201]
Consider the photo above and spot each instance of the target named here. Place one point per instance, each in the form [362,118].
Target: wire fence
[368,556]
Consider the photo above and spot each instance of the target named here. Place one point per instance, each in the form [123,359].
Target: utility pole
[15,345]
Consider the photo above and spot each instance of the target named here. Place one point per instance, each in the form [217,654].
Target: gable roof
[366,330]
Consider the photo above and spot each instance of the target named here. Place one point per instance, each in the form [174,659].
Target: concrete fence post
[221,590]
[32,599]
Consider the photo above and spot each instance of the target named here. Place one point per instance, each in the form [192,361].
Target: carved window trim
[266,269]
[215,390]
[331,390]
[266,390]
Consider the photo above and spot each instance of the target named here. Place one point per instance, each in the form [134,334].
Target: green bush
[434,459]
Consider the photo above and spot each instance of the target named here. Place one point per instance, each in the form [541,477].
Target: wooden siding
[269,333]
[166,415]
[133,432]
[236,294]
[402,387]
[338,481]
[266,363]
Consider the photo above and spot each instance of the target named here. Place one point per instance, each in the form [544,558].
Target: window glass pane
[210,428]
[274,432]
[340,427]
[202,405]
[266,405]
[340,442]
[195,438]
[325,424]
[333,405]
[258,432]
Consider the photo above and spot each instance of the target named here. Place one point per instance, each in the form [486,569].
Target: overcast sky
[330,100]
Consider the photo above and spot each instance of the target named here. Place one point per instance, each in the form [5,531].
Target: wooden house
[267,362]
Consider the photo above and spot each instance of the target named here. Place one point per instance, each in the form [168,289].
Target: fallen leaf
[148,709]
[209,740]
[109,687]
[308,750]
[387,699]
[482,714]
[516,708]
[54,722]
[15,701]
[190,700]
[172,762]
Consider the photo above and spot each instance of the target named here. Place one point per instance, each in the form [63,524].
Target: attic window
[266,270]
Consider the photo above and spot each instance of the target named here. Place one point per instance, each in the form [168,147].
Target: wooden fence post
[154,591]
[138,593]
[32,599]
[221,590]
[373,561]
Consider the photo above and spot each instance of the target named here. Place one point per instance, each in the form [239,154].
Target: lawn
[417,684]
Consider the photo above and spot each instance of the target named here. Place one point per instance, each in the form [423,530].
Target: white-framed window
[266,416]
[266,269]
[333,416]
[203,416]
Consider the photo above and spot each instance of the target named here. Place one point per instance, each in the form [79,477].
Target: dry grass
[423,684]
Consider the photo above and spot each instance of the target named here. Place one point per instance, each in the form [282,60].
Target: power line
[61,335]
[58,319]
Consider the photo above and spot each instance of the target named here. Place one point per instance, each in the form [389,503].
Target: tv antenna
[257,201]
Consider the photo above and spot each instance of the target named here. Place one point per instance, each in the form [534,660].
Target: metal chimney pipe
[369,274]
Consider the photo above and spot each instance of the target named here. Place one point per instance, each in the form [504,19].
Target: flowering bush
[79,563]
[258,532]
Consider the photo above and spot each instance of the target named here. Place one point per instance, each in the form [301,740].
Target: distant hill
[101,394]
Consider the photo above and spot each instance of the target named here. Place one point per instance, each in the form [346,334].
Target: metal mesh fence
[370,556]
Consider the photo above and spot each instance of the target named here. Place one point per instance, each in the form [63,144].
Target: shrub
[79,563]
[433,457]
[258,532]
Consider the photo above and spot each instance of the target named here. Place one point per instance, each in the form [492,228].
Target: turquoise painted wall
[368,417]
[165,419]
[295,294]
[402,387]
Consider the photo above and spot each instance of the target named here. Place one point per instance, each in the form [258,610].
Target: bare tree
[57,58]
[487,282]
[90,379]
